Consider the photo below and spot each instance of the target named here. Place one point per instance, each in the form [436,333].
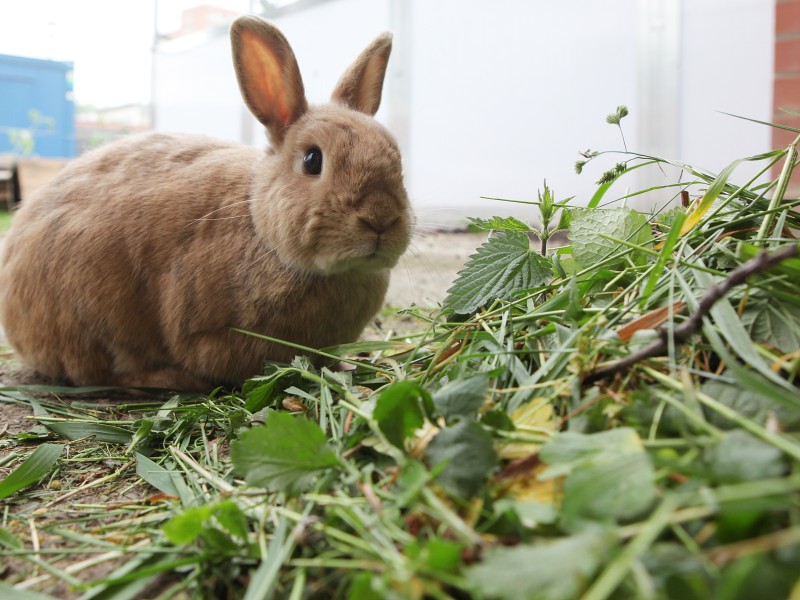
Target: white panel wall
[490,98]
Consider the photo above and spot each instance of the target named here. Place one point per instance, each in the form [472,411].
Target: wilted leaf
[558,570]
[534,414]
[467,456]
[284,454]
[503,265]
[588,227]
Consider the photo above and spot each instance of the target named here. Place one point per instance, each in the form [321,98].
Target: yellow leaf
[535,417]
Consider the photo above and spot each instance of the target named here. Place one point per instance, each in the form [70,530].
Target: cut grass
[449,458]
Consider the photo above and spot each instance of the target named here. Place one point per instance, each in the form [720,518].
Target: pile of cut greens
[614,418]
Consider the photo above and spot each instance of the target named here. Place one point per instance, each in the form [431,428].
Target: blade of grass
[32,469]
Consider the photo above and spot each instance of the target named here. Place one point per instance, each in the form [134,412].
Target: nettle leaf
[741,457]
[503,265]
[776,324]
[466,455]
[559,570]
[399,411]
[609,474]
[748,403]
[500,224]
[284,454]
[589,247]
[462,397]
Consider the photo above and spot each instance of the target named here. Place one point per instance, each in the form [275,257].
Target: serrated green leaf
[748,403]
[778,325]
[558,570]
[568,450]
[284,454]
[590,248]
[187,526]
[503,265]
[618,488]
[741,457]
[609,474]
[462,397]
[399,411]
[231,517]
[32,469]
[500,224]
[466,455]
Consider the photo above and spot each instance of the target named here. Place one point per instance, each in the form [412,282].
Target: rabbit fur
[134,264]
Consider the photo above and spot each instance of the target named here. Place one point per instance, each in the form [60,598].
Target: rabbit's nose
[377,223]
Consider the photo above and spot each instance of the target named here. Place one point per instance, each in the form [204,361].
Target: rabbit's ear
[268,76]
[361,85]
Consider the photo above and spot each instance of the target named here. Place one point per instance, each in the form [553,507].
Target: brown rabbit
[134,264]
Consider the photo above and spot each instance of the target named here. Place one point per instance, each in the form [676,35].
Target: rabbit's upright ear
[361,85]
[268,76]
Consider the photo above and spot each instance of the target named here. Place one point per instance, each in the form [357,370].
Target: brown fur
[134,264]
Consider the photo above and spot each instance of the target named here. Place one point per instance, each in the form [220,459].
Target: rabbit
[135,264]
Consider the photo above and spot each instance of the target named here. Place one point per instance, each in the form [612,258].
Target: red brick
[787,17]
[787,55]
[787,92]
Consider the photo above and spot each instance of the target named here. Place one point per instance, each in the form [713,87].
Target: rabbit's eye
[312,162]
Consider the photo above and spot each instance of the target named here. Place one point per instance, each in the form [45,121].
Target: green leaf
[778,325]
[558,570]
[500,224]
[167,481]
[741,457]
[465,453]
[568,450]
[32,469]
[503,265]
[187,526]
[231,517]
[284,454]
[462,397]
[748,403]
[618,488]
[589,247]
[609,474]
[411,481]
[78,430]
[399,411]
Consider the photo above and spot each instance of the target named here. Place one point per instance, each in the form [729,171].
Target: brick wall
[786,92]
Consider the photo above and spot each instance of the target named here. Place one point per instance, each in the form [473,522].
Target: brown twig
[692,325]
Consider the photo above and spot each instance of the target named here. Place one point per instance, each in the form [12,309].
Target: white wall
[491,98]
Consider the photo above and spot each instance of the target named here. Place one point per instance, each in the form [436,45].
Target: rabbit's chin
[372,263]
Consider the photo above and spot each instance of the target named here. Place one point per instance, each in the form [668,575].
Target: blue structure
[37,110]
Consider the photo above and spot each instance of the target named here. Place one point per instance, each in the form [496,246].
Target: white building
[491,98]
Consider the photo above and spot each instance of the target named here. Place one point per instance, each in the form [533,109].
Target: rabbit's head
[328,196]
